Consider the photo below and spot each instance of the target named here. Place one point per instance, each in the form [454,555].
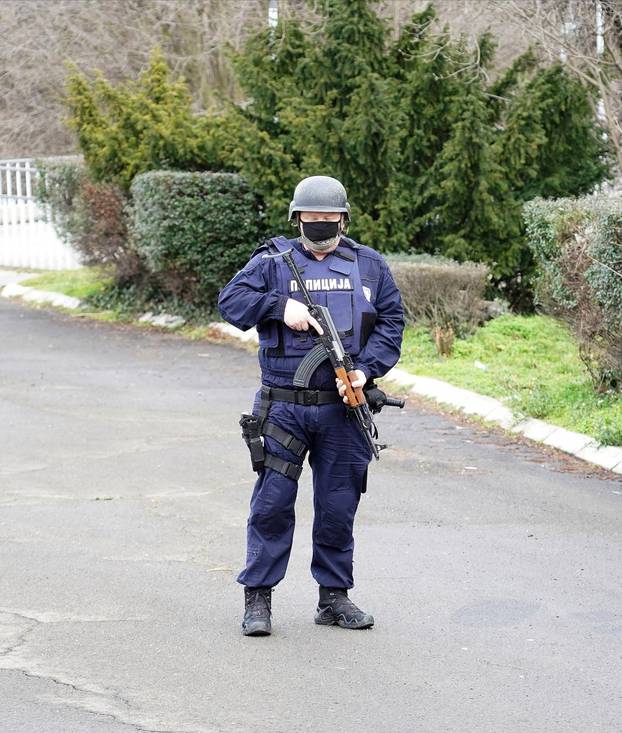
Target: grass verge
[530,362]
[83,283]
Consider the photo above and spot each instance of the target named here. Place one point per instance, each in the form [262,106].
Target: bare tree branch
[116,36]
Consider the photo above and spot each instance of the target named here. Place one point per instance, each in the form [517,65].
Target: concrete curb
[13,276]
[576,444]
[226,329]
[471,403]
[33,295]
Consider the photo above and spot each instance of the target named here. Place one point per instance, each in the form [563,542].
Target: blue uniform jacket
[255,296]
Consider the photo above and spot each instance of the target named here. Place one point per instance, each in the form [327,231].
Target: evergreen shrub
[139,125]
[194,230]
[58,186]
[577,244]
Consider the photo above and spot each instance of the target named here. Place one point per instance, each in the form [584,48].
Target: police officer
[355,283]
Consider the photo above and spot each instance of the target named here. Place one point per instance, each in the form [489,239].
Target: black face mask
[317,231]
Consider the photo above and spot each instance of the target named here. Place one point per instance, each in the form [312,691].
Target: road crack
[104,696]
[98,700]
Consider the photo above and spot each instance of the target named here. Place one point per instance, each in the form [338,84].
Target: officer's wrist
[278,309]
[363,368]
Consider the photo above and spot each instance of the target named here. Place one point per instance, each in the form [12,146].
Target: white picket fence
[27,236]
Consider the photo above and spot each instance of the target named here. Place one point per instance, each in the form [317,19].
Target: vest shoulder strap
[281,243]
[276,244]
[350,242]
[261,248]
[344,254]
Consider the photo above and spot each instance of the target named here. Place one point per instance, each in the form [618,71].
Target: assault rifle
[329,346]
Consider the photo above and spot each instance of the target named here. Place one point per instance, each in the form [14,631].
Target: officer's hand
[360,381]
[297,316]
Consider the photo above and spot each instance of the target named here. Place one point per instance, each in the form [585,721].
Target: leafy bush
[194,230]
[577,244]
[440,291]
[106,241]
[91,217]
[58,186]
[442,294]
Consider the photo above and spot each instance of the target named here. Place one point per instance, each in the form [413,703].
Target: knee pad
[274,524]
[334,531]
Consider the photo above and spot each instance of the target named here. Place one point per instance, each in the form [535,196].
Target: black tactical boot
[257,612]
[336,608]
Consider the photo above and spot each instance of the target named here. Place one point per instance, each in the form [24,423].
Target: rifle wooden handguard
[356,396]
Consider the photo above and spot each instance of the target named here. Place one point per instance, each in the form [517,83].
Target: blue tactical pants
[339,459]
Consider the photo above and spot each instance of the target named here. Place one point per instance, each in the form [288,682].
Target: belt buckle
[310,397]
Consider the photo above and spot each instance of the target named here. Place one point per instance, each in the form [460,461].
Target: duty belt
[301,396]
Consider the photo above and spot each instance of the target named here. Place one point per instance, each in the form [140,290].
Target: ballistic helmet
[319,193]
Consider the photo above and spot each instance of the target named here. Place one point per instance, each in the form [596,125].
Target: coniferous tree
[428,82]
[434,160]
[468,209]
[353,46]
[550,144]
[138,126]
[271,69]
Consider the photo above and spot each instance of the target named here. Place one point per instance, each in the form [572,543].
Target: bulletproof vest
[334,282]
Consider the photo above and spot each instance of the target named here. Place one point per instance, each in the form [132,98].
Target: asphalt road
[493,569]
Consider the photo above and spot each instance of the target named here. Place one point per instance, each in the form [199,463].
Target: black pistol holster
[254,427]
[251,432]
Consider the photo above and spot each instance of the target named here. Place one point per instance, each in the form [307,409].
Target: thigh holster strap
[291,470]
[287,440]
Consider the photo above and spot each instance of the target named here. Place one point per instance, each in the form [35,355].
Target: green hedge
[439,292]
[194,230]
[577,244]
